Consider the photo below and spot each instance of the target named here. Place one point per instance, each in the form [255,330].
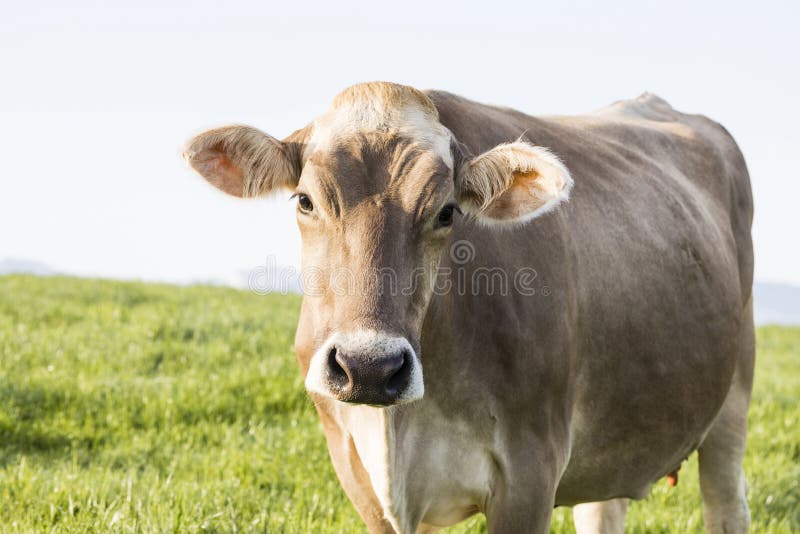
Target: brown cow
[627,345]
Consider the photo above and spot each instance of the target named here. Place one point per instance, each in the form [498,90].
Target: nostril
[398,380]
[337,371]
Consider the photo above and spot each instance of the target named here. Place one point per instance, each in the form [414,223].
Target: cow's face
[380,184]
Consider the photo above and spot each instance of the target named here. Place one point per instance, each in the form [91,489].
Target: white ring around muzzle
[369,344]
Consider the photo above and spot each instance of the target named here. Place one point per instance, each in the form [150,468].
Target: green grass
[141,407]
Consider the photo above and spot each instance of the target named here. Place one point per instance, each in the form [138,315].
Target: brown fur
[635,349]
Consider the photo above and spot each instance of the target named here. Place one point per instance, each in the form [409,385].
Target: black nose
[368,379]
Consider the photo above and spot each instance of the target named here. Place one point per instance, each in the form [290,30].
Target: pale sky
[96,100]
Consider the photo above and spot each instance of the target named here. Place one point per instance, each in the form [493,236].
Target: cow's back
[655,266]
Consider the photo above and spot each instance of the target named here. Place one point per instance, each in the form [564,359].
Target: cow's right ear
[245,162]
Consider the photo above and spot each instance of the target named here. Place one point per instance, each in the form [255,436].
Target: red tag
[672,478]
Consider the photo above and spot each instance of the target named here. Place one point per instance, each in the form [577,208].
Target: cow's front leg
[523,495]
[606,517]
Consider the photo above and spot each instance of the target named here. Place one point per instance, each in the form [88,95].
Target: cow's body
[635,348]
[617,366]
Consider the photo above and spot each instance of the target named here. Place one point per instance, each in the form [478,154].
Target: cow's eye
[304,203]
[445,217]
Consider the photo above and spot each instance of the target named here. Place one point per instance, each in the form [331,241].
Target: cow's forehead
[383,108]
[370,165]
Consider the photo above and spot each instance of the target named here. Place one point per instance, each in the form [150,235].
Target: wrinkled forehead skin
[378,167]
[383,169]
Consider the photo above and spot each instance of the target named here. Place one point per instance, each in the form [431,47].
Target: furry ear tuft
[512,183]
[243,161]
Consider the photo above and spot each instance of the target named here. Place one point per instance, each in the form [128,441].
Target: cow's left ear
[512,183]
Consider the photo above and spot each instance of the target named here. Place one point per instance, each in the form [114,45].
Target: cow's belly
[621,447]
[629,468]
[641,413]
[655,359]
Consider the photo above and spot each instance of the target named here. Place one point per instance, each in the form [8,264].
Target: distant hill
[774,303]
[13,265]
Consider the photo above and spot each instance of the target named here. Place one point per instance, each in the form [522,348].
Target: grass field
[149,408]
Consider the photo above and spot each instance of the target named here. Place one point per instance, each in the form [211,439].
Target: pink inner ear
[220,171]
[523,197]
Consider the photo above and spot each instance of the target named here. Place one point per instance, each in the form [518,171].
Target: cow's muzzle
[366,368]
[368,379]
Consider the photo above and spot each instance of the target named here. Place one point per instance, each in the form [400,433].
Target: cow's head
[380,184]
